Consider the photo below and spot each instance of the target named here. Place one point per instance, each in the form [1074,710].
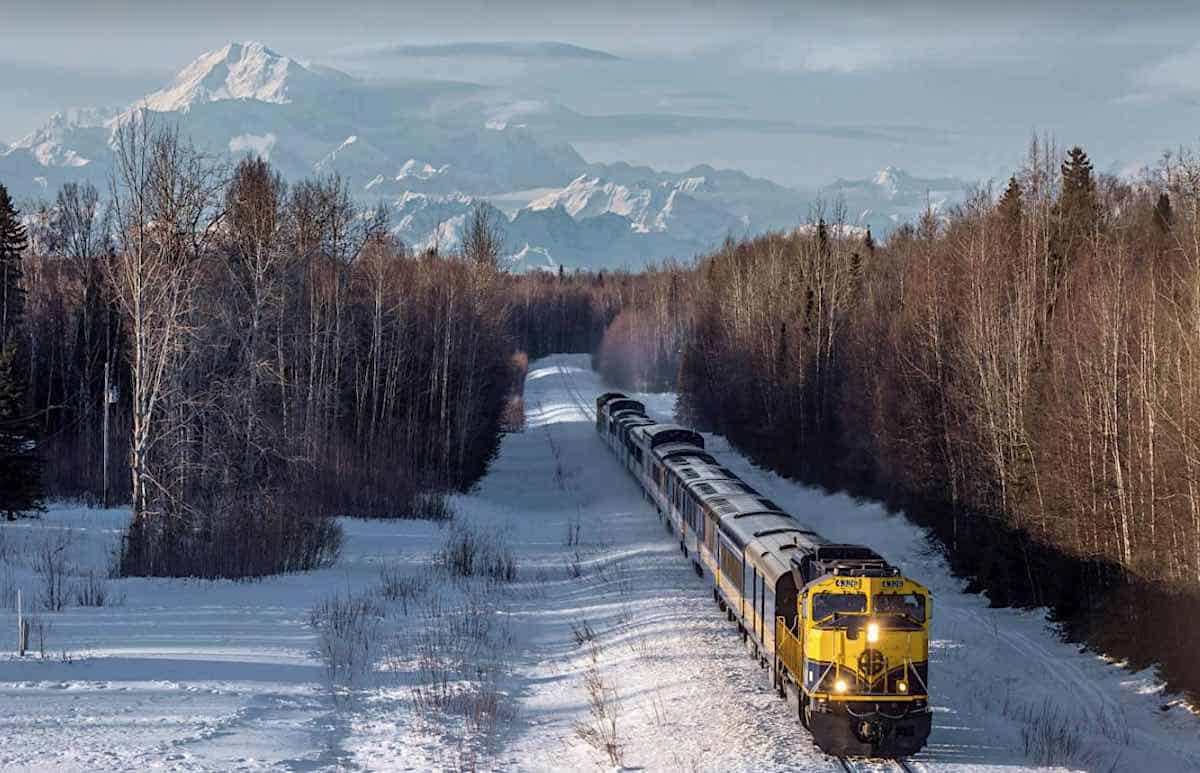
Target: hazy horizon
[935,88]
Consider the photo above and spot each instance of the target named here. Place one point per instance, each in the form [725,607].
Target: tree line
[1019,373]
[276,355]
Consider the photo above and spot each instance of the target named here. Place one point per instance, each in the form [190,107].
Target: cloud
[497,50]
[260,145]
[1175,77]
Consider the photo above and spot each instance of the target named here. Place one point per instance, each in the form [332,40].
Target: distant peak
[252,47]
[889,175]
[246,70]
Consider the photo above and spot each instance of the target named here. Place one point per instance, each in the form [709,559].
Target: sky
[937,88]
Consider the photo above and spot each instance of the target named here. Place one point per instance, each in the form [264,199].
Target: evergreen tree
[1162,213]
[822,236]
[1010,203]
[13,241]
[20,466]
[1079,188]
[869,242]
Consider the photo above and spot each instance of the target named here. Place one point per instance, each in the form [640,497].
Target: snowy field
[490,674]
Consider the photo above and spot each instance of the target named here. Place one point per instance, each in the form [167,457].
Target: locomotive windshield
[829,604]
[910,605]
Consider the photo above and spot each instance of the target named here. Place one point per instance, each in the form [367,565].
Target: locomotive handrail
[788,645]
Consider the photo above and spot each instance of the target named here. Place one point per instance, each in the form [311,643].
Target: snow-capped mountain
[434,149]
[538,238]
[239,71]
[663,207]
[244,97]
[893,197]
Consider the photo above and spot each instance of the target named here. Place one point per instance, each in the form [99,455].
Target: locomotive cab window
[829,604]
[910,605]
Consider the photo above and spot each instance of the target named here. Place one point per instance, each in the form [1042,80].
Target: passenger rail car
[836,625]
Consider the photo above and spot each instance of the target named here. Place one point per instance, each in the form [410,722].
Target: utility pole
[104,466]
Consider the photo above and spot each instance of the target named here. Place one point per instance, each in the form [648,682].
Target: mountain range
[433,150]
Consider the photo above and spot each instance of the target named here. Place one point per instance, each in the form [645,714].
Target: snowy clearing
[481,672]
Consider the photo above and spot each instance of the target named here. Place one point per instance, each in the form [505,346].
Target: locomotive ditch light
[840,685]
[872,632]
[902,686]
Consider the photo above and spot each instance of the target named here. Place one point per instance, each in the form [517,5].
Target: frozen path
[220,676]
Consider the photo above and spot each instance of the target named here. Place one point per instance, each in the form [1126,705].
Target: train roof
[690,468]
[706,489]
[671,451]
[772,549]
[771,540]
[741,505]
[695,464]
[660,434]
[608,397]
[624,403]
[628,414]
[842,559]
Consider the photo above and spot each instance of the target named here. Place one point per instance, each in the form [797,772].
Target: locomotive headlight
[840,685]
[902,686]
[872,632]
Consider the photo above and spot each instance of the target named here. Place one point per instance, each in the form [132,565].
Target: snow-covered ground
[188,675]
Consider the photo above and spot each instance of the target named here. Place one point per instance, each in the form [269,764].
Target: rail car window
[826,604]
[731,567]
[910,605]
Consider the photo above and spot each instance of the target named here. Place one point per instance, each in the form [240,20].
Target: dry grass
[401,588]
[601,729]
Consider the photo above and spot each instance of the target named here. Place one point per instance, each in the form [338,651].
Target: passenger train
[836,625]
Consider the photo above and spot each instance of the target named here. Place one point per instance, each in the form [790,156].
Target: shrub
[582,632]
[50,563]
[347,636]
[8,587]
[396,586]
[432,506]
[470,554]
[461,655]
[239,540]
[92,591]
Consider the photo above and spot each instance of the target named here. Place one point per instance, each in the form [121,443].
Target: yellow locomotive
[840,630]
[858,651]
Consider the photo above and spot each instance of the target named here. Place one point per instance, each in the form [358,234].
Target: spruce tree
[12,246]
[1162,213]
[1079,188]
[20,465]
[822,236]
[1010,203]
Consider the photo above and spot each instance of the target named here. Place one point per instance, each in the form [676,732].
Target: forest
[1020,374]
[273,357]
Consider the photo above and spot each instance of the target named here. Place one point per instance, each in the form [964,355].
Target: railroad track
[576,395]
[871,766]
